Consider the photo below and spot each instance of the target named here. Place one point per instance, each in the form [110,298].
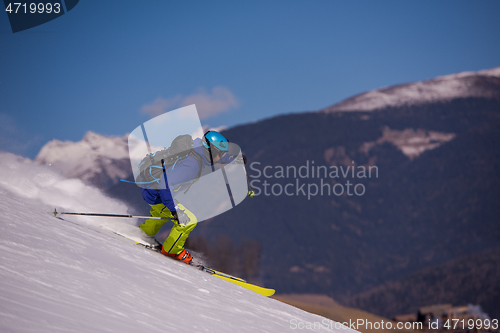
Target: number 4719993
[454,324]
[19,7]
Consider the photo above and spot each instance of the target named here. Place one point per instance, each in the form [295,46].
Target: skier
[212,148]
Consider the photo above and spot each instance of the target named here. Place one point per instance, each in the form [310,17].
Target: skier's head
[216,144]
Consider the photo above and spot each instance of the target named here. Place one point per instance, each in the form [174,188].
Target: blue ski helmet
[213,139]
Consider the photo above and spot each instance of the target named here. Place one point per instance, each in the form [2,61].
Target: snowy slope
[485,84]
[56,276]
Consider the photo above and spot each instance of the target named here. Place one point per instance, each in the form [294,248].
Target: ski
[223,276]
[137,240]
[156,247]
[255,288]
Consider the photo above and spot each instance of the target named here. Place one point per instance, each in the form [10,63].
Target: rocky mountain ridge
[481,84]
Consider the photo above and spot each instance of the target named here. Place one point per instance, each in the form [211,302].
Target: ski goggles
[217,151]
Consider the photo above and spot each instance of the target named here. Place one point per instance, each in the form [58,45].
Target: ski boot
[183,256]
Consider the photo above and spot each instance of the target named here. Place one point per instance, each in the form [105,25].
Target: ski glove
[241,159]
[181,217]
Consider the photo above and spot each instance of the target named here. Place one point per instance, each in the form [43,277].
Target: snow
[57,276]
[491,72]
[442,88]
[411,142]
[86,159]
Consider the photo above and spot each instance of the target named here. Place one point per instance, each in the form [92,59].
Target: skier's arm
[233,154]
[239,159]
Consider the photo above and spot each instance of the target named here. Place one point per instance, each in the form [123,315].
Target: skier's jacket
[181,175]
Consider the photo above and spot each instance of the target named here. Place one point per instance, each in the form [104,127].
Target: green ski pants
[178,234]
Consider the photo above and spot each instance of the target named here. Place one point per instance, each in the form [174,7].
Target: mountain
[418,212]
[467,279]
[482,84]
[62,276]
[430,199]
[97,159]
[433,200]
[102,160]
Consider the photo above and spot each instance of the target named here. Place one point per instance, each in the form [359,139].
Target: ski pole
[251,192]
[111,215]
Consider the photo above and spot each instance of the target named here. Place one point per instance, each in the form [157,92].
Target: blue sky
[108,66]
